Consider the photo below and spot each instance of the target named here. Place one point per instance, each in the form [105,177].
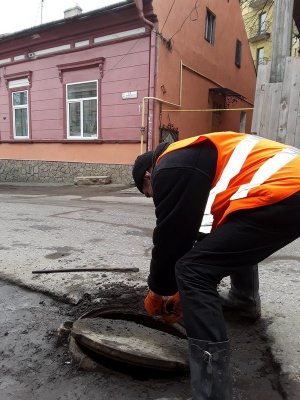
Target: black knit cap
[142,164]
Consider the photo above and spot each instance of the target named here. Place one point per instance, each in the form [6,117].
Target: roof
[38,28]
[225,92]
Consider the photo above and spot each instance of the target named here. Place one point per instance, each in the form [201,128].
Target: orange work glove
[154,304]
[173,310]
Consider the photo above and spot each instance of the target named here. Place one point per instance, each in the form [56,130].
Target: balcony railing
[261,61]
[296,52]
[258,3]
[257,31]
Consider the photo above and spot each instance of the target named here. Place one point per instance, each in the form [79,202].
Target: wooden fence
[276,112]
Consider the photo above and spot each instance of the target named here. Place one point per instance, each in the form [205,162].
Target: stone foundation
[61,172]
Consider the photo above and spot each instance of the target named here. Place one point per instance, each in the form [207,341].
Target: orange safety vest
[251,172]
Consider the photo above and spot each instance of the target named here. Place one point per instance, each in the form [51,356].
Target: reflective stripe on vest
[231,169]
[266,170]
[234,166]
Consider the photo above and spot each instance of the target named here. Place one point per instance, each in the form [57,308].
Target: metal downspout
[143,128]
[139,6]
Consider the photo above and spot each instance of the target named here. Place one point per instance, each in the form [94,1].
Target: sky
[17,15]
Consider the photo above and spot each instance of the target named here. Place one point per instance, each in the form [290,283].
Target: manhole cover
[133,339]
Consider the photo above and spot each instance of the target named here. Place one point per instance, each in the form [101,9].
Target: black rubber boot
[209,369]
[243,296]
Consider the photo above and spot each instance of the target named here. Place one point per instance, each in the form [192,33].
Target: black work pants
[245,239]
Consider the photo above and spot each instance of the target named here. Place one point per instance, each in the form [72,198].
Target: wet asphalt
[60,227]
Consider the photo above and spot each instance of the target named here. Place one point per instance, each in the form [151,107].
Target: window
[20,114]
[262,23]
[260,56]
[238,53]
[210,23]
[243,121]
[82,110]
[168,133]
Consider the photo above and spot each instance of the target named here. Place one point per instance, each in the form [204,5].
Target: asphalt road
[54,227]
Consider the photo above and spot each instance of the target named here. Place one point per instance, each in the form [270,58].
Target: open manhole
[126,341]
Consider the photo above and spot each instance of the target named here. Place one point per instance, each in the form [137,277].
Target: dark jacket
[181,183]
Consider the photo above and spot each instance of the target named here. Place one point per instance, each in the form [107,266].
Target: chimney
[72,12]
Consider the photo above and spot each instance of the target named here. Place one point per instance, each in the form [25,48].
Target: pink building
[86,94]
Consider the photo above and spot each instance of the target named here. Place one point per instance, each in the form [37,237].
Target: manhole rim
[176,330]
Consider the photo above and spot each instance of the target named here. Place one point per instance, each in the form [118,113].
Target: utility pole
[281,38]
[42,4]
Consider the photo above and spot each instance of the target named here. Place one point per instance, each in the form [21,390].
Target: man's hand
[169,309]
[154,304]
[173,310]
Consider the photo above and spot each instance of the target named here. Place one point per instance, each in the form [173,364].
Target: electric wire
[125,55]
[193,9]
[167,16]
[37,12]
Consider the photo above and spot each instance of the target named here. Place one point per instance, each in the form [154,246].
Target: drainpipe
[139,6]
[143,127]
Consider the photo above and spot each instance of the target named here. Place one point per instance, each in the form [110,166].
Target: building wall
[205,65]
[257,40]
[119,119]
[142,63]
[125,69]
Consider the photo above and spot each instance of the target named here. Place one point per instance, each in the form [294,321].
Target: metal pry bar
[100,269]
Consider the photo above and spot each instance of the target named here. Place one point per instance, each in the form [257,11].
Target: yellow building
[258,19]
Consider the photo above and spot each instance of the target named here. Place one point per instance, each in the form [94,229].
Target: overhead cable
[167,16]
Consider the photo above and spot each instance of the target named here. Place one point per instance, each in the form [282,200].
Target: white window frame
[243,118]
[262,22]
[260,56]
[18,107]
[80,101]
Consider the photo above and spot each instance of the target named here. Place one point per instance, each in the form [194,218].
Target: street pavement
[55,227]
